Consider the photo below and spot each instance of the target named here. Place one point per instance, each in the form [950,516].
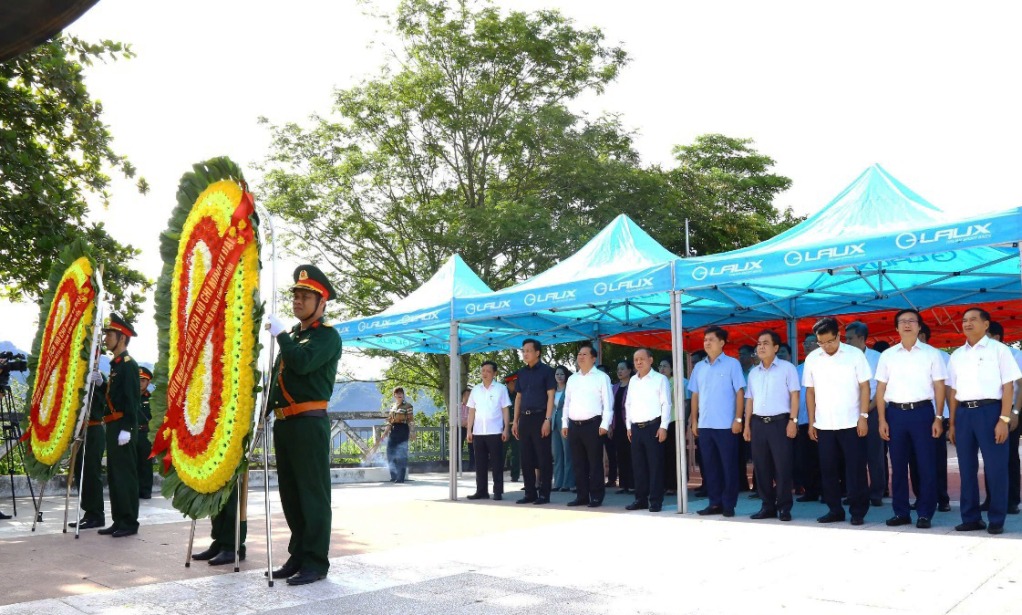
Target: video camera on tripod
[11,362]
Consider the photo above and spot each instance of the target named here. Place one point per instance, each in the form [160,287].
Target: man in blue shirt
[534,409]
[717,387]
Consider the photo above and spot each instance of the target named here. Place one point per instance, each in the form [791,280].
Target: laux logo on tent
[797,257]
[532,298]
[700,273]
[958,234]
[602,288]
[479,308]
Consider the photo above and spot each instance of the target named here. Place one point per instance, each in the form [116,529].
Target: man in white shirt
[1014,471]
[489,426]
[647,414]
[771,424]
[588,410]
[836,377]
[876,458]
[981,375]
[910,383]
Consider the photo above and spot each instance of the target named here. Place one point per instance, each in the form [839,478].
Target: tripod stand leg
[191,539]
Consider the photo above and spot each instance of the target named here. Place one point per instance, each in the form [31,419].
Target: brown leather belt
[113,416]
[304,407]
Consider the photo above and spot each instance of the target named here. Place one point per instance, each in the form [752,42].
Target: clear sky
[930,90]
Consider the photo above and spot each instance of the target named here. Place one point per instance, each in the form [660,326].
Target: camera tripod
[11,447]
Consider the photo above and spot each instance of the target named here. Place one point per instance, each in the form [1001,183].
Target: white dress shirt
[873,358]
[835,380]
[978,372]
[489,404]
[586,396]
[910,372]
[1015,352]
[770,388]
[649,397]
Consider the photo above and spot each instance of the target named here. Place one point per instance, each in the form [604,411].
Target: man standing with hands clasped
[588,411]
[981,375]
[534,409]
[910,379]
[647,414]
[488,427]
[302,382]
[771,424]
[836,377]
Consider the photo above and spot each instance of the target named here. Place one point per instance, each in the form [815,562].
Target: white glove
[123,438]
[95,377]
[275,326]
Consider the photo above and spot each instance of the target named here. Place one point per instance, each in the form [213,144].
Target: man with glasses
[836,377]
[588,410]
[910,387]
[981,375]
[534,409]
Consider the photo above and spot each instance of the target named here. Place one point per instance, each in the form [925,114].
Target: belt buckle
[766,419]
[279,413]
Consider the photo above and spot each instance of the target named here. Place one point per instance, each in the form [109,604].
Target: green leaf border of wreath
[75,250]
[185,499]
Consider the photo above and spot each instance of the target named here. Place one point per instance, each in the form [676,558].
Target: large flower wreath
[208,314]
[60,360]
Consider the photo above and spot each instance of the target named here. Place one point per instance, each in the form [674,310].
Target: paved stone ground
[406,549]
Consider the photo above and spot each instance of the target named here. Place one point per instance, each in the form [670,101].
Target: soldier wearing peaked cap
[123,408]
[303,380]
[144,446]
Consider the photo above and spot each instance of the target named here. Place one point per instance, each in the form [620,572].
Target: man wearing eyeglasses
[910,389]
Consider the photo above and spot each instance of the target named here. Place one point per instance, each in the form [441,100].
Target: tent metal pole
[677,350]
[454,411]
[793,339]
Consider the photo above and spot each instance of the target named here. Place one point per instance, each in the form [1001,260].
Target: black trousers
[537,454]
[611,448]
[489,455]
[837,446]
[648,463]
[671,458]
[625,473]
[772,454]
[807,463]
[587,459]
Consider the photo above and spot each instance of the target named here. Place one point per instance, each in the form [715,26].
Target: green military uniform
[223,526]
[123,409]
[144,447]
[91,464]
[303,381]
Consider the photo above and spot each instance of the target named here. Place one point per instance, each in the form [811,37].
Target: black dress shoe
[209,553]
[764,514]
[123,533]
[4,515]
[830,518]
[87,524]
[305,577]
[944,507]
[995,529]
[876,502]
[498,496]
[540,501]
[655,508]
[1013,510]
[610,483]
[227,557]
[710,510]
[970,526]
[637,505]
[784,515]
[145,496]
[701,493]
[287,570]
[858,520]
[923,523]
[895,521]
[526,500]
[478,496]
[728,512]
[595,504]
[107,531]
[578,502]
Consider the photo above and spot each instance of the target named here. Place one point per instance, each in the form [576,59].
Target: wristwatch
[793,419]
[1006,419]
[738,420]
[864,415]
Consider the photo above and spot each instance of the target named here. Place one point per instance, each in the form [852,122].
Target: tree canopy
[55,153]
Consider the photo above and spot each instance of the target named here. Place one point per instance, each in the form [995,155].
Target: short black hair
[649,353]
[996,328]
[718,331]
[924,329]
[826,325]
[699,355]
[492,364]
[536,344]
[858,328]
[748,348]
[983,314]
[628,363]
[881,345]
[589,345]
[774,337]
[567,371]
[919,316]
